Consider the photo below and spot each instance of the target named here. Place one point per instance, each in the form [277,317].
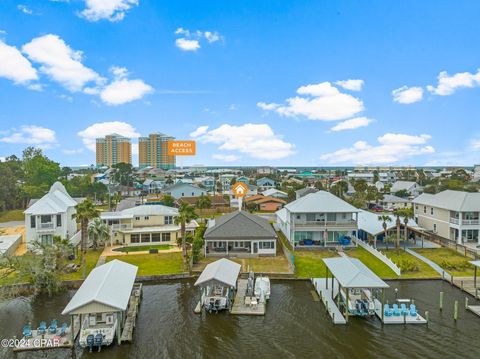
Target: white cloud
[60,62]
[392,148]
[122,91]
[447,85]
[352,85]
[31,135]
[320,101]
[111,10]
[190,40]
[255,140]
[101,129]
[267,106]
[72,152]
[24,9]
[226,158]
[3,32]
[352,124]
[475,144]
[407,95]
[14,66]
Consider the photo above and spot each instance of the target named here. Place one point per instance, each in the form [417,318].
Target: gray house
[240,234]
[179,190]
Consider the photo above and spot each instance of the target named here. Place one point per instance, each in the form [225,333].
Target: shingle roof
[402,185]
[320,202]
[239,224]
[394,199]
[452,200]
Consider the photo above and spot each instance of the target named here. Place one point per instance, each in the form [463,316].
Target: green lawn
[11,215]
[92,259]
[411,266]
[372,262]
[160,247]
[309,264]
[450,260]
[153,264]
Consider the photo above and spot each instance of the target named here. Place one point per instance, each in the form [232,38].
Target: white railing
[326,224]
[379,255]
[454,220]
[470,221]
[46,226]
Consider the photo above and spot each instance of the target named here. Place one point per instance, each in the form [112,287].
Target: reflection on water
[294,327]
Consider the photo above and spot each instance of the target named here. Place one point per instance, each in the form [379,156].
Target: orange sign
[181,148]
[240,189]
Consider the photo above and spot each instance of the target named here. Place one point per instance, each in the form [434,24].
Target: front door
[255,247]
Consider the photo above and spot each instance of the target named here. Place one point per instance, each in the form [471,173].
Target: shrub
[408,265]
[455,264]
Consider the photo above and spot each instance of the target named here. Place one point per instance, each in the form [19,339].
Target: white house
[317,219]
[413,188]
[273,192]
[391,202]
[52,215]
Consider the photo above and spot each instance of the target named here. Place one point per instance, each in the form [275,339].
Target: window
[46,239]
[33,221]
[183,194]
[310,217]
[146,218]
[424,209]
[135,238]
[155,237]
[298,216]
[137,218]
[145,238]
[266,245]
[331,217]
[431,210]
[344,216]
[59,220]
[46,219]
[416,206]
[166,237]
[193,194]
[168,219]
[434,227]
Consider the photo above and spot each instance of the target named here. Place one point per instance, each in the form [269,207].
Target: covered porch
[233,248]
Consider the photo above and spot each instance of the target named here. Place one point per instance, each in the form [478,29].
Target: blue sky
[254,82]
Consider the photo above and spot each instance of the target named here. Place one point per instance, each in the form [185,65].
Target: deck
[48,340]
[130,320]
[475,309]
[467,285]
[239,307]
[327,299]
[400,319]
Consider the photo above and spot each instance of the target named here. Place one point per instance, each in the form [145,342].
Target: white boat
[98,330]
[360,301]
[216,298]
[262,287]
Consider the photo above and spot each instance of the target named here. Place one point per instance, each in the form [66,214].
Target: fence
[286,252]
[448,243]
[380,256]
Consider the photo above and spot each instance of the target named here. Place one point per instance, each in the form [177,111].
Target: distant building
[391,202]
[265,183]
[413,188]
[179,190]
[302,192]
[113,149]
[153,151]
[266,170]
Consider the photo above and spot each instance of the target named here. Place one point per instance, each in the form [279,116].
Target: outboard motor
[90,341]
[99,341]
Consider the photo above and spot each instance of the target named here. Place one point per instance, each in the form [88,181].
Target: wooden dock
[467,285]
[398,319]
[132,311]
[239,307]
[48,340]
[475,309]
[328,300]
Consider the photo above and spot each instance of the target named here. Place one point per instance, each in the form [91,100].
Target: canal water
[295,326]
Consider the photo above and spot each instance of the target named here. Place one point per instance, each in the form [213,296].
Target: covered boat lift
[106,292]
[351,273]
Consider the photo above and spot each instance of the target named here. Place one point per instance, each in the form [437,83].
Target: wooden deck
[48,340]
[239,307]
[398,319]
[328,300]
[130,320]
[467,285]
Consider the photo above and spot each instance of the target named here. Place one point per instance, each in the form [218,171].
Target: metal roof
[151,210]
[109,284]
[57,200]
[369,222]
[238,225]
[224,271]
[352,273]
[452,200]
[320,202]
[475,263]
[402,185]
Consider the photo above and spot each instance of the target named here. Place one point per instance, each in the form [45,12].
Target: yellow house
[146,224]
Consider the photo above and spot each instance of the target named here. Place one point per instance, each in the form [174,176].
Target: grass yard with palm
[153,264]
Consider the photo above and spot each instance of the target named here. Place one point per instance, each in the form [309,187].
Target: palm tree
[407,214]
[397,223]
[384,219]
[85,212]
[99,232]
[203,202]
[186,213]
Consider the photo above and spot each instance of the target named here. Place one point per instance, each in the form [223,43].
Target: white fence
[380,256]
[76,239]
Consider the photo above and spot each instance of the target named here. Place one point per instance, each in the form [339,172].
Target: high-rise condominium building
[153,151]
[113,149]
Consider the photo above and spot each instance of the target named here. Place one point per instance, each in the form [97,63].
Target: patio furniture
[42,328]
[254,302]
[403,309]
[53,326]
[413,310]
[27,332]
[248,301]
[63,330]
[387,311]
[396,312]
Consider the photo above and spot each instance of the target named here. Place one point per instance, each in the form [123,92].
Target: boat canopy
[107,288]
[223,271]
[352,273]
[475,263]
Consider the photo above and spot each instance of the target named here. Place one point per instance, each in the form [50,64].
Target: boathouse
[102,300]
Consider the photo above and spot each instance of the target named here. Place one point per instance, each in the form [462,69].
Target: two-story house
[265,183]
[317,219]
[450,214]
[413,188]
[145,224]
[52,215]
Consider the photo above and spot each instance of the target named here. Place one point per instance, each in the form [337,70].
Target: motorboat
[97,330]
[262,288]
[360,302]
[216,298]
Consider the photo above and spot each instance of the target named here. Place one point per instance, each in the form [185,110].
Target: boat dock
[475,309]
[239,305]
[397,319]
[131,318]
[327,299]
[49,340]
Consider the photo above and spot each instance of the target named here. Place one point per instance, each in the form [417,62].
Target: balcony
[466,222]
[324,224]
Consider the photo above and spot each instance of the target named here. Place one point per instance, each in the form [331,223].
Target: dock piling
[455,310]
[466,302]
[441,301]
[427,315]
